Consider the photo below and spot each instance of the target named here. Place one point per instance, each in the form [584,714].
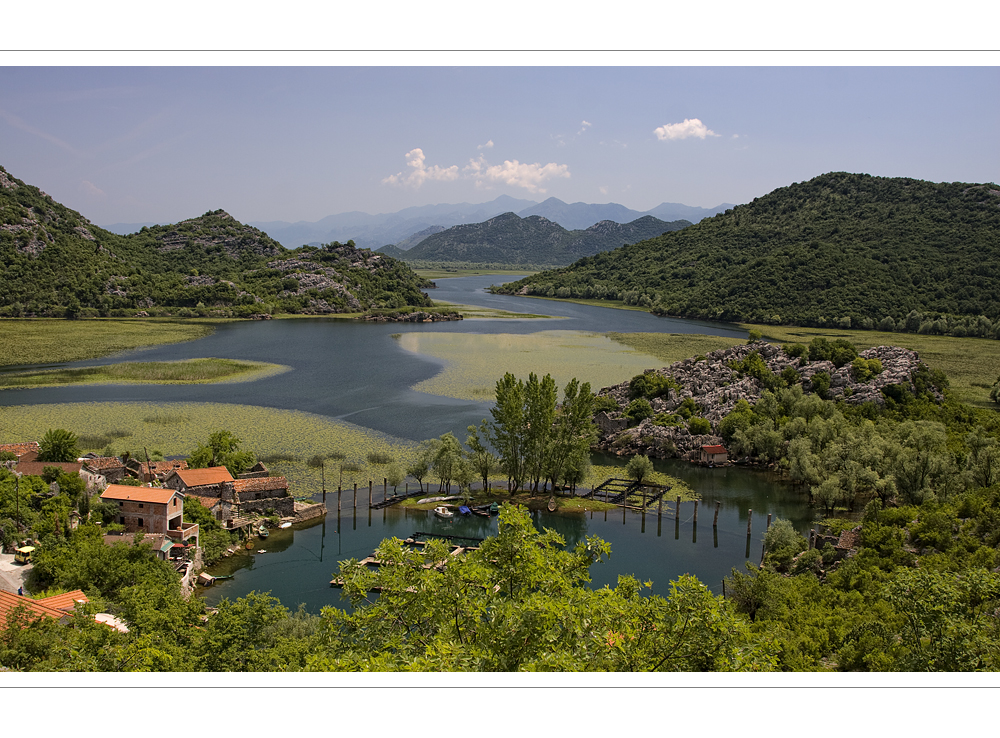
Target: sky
[124,144]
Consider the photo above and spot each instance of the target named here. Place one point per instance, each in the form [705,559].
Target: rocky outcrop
[715,387]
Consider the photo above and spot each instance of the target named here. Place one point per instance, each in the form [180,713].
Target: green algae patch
[50,341]
[286,440]
[188,371]
[474,362]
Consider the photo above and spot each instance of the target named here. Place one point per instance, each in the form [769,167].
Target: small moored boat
[262,531]
[443,512]
[285,525]
[494,509]
[465,510]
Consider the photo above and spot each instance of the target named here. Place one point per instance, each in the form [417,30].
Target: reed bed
[190,371]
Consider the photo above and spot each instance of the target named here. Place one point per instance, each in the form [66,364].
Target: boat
[552,503]
[443,512]
[285,525]
[465,510]
[262,531]
[494,509]
[482,510]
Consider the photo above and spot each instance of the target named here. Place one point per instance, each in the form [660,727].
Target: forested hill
[55,262]
[511,240]
[840,246]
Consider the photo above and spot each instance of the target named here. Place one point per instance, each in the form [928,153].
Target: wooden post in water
[749,519]
[715,522]
[677,509]
[659,508]
[338,499]
[369,493]
[355,495]
[385,487]
[723,589]
[768,523]
[696,512]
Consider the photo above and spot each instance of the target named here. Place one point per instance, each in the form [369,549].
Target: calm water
[357,372]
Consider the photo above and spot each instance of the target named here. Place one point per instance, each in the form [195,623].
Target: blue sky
[160,144]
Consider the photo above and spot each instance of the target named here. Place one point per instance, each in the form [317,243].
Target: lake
[357,372]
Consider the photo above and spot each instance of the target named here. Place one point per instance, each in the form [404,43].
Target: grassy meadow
[670,347]
[476,361]
[50,340]
[972,364]
[285,440]
[189,371]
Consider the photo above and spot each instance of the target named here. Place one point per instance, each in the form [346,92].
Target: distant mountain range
[373,231]
[513,241]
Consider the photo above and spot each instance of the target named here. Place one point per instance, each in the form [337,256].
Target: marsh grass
[671,347]
[283,439]
[48,341]
[190,371]
[476,361]
[474,312]
[972,364]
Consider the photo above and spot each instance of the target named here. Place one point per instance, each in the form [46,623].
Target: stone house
[109,467]
[93,480]
[261,495]
[23,451]
[257,471]
[215,481]
[713,455]
[151,510]
[151,471]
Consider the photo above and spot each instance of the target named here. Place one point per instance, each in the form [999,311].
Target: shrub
[605,403]
[638,410]
[699,426]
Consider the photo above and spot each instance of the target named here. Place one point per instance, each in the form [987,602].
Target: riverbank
[189,371]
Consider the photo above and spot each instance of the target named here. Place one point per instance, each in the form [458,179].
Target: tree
[540,412]
[418,470]
[58,445]
[222,450]
[573,433]
[521,602]
[447,455]
[483,461]
[395,475]
[638,468]
[507,430]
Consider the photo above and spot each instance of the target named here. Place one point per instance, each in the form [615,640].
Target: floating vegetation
[49,341]
[475,312]
[283,439]
[671,347]
[315,462]
[189,371]
[476,361]
[379,458]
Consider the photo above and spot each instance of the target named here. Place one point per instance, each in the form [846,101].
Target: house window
[140,506]
[140,522]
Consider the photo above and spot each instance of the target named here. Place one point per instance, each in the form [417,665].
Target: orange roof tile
[155,495]
[714,449]
[36,609]
[202,477]
[207,502]
[159,467]
[66,601]
[104,462]
[260,485]
[19,449]
[35,468]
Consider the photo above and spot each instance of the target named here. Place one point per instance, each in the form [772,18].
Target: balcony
[185,532]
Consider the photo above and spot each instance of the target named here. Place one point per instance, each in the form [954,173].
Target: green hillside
[841,249]
[512,240]
[56,263]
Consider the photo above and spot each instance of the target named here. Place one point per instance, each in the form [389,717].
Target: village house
[713,455]
[94,481]
[164,547]
[57,607]
[257,471]
[151,510]
[109,467]
[23,451]
[151,471]
[215,481]
[263,495]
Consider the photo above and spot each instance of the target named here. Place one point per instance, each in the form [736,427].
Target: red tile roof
[19,449]
[160,467]
[36,608]
[104,462]
[204,477]
[66,601]
[154,495]
[714,449]
[206,502]
[264,484]
[35,468]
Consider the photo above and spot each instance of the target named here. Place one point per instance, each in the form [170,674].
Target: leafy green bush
[638,410]
[864,369]
[605,403]
[699,426]
[650,385]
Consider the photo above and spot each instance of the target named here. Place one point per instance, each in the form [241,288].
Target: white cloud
[583,127]
[91,189]
[515,174]
[421,172]
[691,127]
[487,145]
[736,135]
[604,190]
